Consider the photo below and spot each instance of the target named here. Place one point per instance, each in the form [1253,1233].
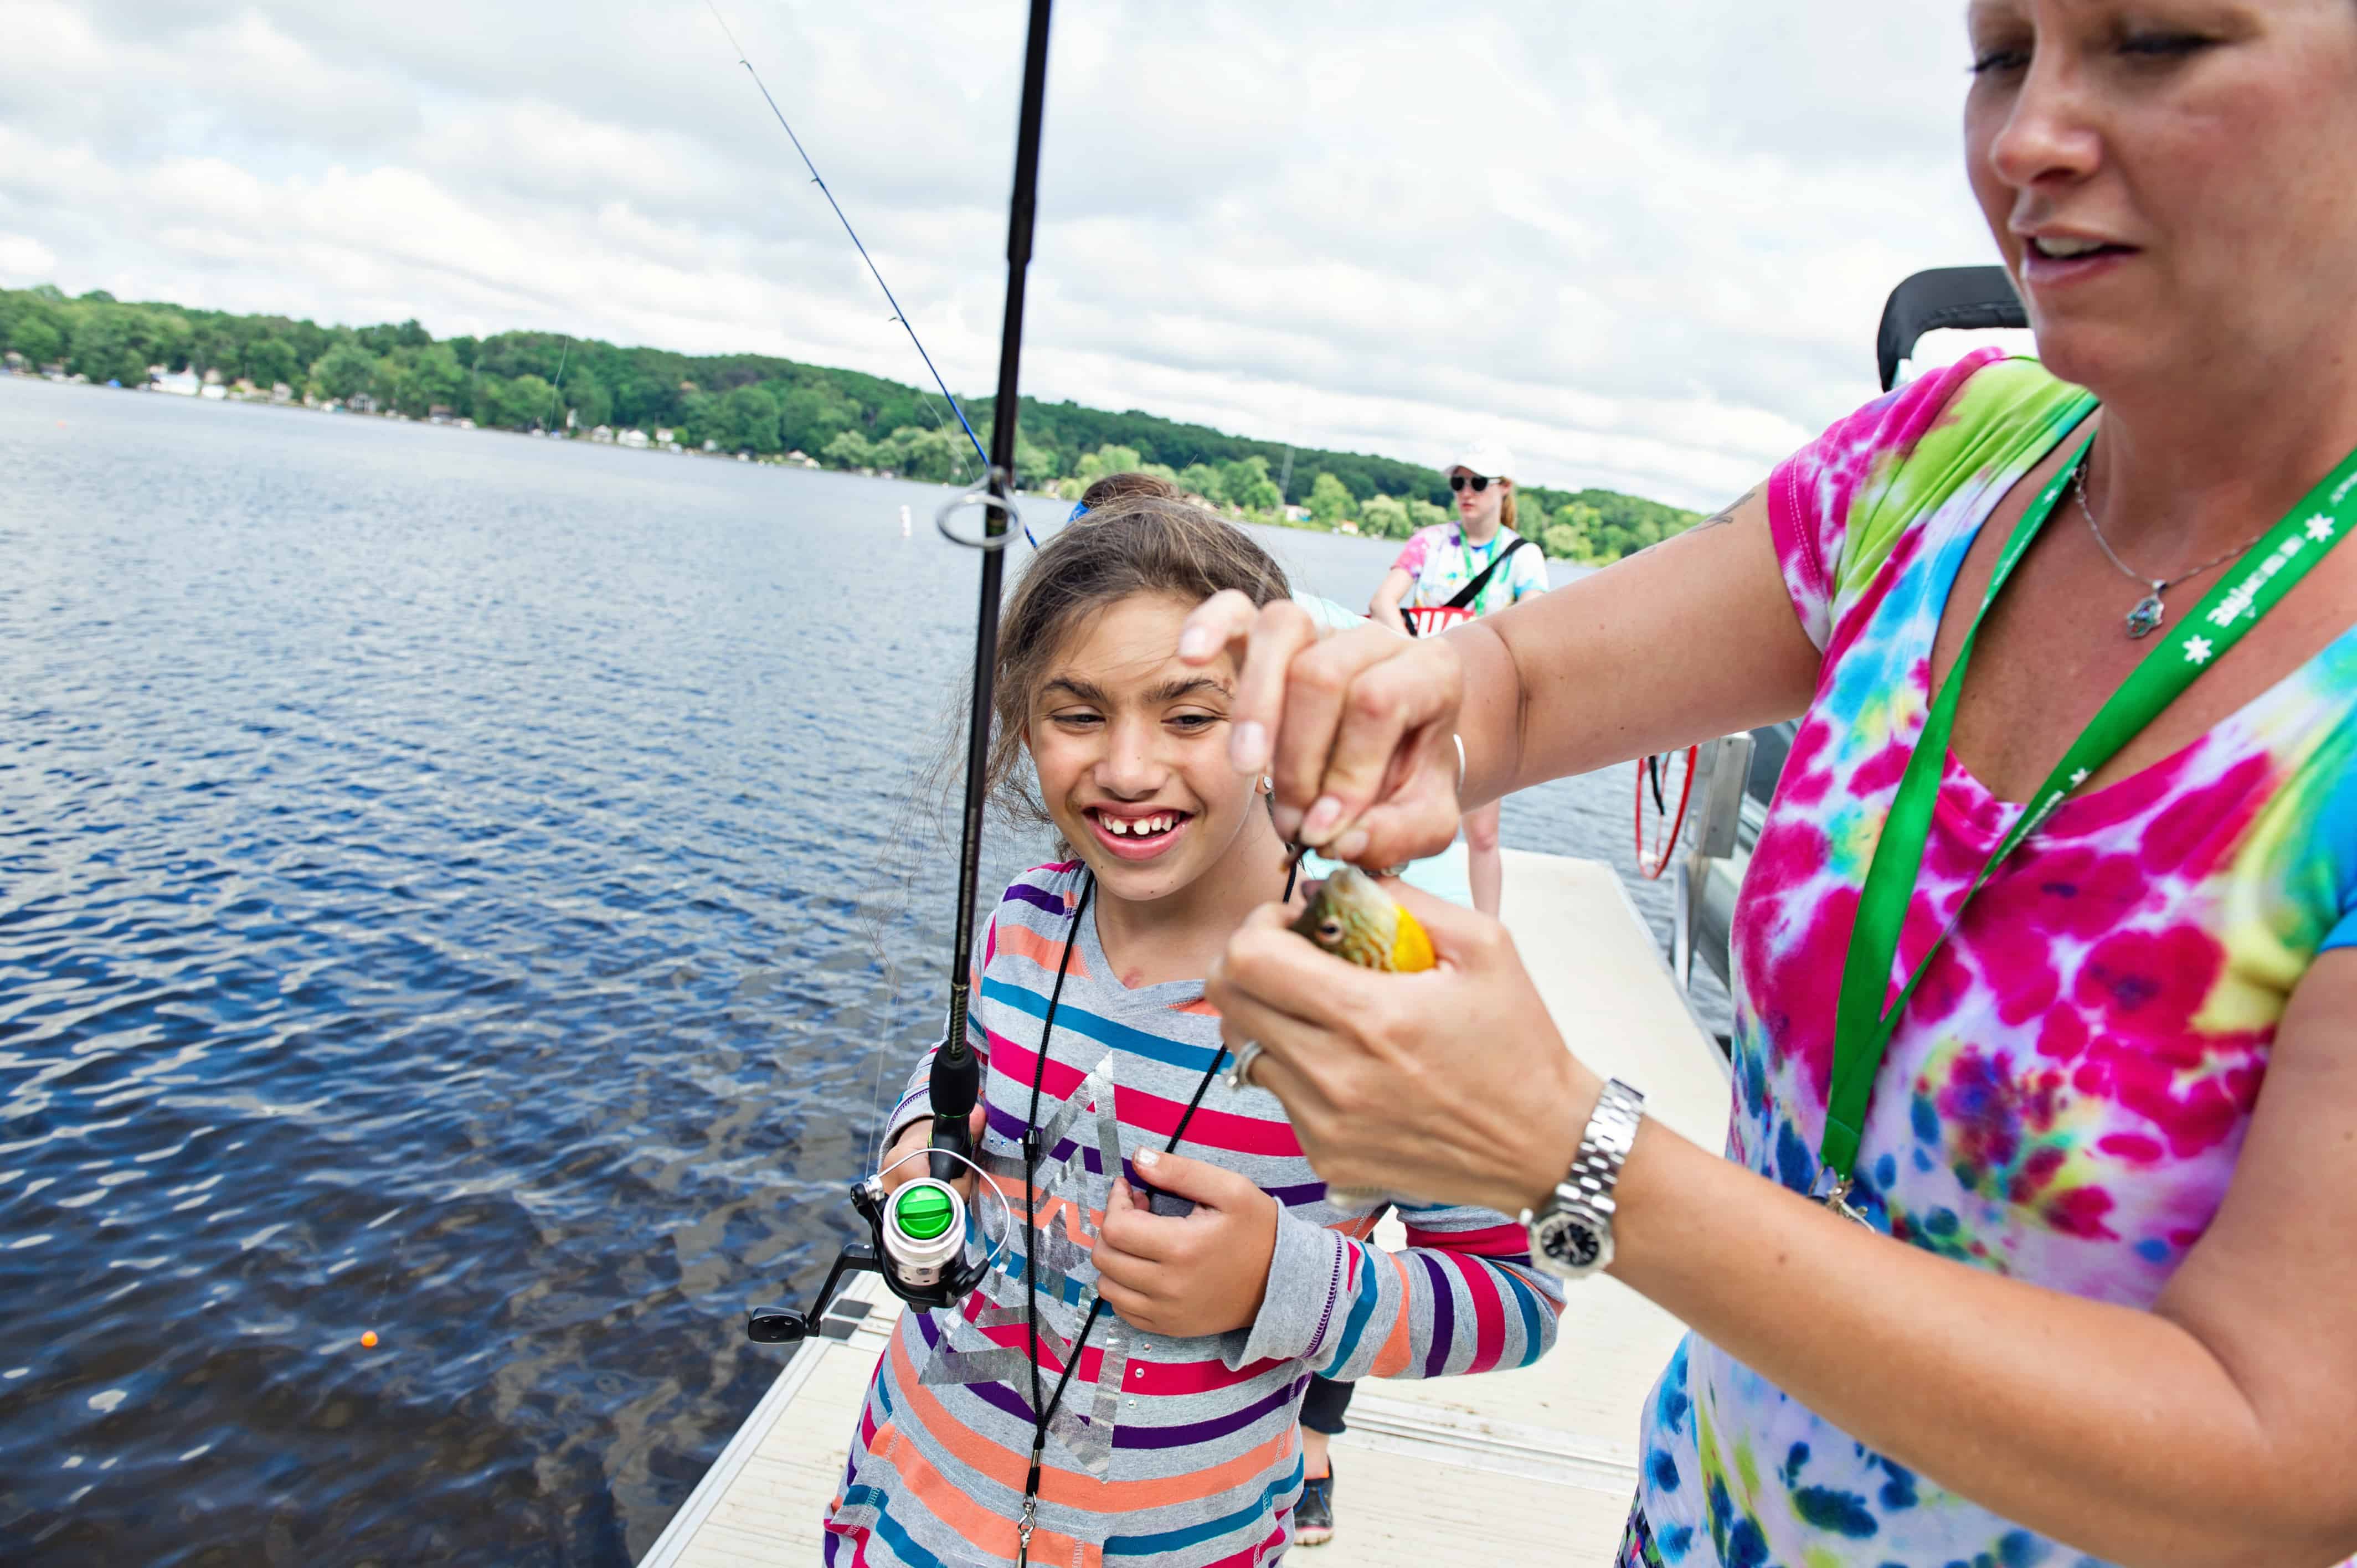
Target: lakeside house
[179,383]
[634,439]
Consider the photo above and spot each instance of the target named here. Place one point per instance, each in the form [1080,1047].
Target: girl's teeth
[1141,827]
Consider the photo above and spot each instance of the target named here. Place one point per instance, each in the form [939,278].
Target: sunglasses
[1458,481]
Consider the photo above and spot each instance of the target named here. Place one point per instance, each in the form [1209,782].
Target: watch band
[1604,1147]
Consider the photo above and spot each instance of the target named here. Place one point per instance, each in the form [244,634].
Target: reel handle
[784,1325]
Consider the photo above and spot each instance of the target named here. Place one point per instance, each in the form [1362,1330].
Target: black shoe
[1313,1516]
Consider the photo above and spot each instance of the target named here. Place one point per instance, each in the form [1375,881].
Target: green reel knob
[923,1212]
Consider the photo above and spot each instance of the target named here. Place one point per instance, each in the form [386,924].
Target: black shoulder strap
[1472,590]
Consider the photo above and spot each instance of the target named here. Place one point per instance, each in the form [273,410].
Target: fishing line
[898,314]
[954,1074]
[556,393]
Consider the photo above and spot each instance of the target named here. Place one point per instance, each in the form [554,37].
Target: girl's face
[1477,507]
[1132,751]
[2173,182]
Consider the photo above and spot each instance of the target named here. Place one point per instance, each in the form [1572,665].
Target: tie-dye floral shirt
[2066,1097]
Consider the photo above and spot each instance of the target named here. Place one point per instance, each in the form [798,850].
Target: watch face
[1571,1243]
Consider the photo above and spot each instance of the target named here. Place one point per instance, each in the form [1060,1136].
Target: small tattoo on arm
[1723,516]
[1726,513]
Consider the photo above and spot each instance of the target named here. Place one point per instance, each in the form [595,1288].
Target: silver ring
[1240,1075]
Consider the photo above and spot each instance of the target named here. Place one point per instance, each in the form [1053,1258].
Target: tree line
[763,406]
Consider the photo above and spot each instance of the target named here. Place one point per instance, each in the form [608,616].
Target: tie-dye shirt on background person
[2069,1090]
[1442,563]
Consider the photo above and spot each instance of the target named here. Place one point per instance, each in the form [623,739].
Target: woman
[1450,573]
[2104,1294]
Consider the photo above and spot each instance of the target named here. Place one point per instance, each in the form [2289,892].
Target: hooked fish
[1353,919]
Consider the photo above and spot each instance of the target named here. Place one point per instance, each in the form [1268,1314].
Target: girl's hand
[1447,1086]
[918,1136]
[1203,1273]
[1358,729]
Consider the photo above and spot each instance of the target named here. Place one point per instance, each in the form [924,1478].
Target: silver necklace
[2149,612]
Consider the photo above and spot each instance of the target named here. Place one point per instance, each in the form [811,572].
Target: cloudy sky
[1647,243]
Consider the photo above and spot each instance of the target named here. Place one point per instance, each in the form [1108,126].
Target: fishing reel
[919,1234]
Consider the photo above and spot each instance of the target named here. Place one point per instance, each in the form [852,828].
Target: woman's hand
[1449,1086]
[1357,729]
[915,1138]
[1203,1273]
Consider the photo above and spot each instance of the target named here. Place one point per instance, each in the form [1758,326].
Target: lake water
[443,877]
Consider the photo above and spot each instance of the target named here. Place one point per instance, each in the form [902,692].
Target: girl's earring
[1267,785]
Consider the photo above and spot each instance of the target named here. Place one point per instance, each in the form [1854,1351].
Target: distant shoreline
[254,397]
[759,408]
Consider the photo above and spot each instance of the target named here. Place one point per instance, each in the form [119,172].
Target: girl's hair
[1141,542]
[1506,505]
[1120,487]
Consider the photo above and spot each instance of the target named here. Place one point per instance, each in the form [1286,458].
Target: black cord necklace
[1042,1413]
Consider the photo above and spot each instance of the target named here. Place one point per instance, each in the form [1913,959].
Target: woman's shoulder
[1840,505]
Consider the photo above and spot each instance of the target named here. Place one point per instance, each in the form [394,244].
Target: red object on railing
[1654,860]
[1433,622]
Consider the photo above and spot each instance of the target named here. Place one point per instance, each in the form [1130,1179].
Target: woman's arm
[1691,638]
[1385,607]
[2211,1430]
[1698,633]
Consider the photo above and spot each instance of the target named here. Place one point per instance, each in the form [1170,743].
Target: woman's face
[2172,182]
[1477,509]
[1132,751]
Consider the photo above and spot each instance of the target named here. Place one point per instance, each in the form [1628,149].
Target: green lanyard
[1862,1026]
[1464,553]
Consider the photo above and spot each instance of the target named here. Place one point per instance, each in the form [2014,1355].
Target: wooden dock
[1537,1466]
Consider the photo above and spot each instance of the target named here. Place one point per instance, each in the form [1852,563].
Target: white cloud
[24,259]
[1650,242]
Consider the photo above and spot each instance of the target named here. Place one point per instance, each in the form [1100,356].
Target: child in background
[1124,1382]
[1448,574]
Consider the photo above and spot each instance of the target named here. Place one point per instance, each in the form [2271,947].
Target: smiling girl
[1124,1383]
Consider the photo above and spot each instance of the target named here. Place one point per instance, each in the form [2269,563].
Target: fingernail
[1147,1159]
[1195,642]
[1350,847]
[1248,747]
[1321,818]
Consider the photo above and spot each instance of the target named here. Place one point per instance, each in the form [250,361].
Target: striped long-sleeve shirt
[1163,1453]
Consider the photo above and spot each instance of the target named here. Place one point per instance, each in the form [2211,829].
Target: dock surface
[1532,1465]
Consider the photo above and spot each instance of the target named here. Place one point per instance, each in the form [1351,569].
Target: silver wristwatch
[1571,1237]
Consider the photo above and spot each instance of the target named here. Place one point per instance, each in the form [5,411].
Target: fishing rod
[898,314]
[917,1236]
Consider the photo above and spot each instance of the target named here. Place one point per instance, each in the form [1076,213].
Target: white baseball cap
[1485,455]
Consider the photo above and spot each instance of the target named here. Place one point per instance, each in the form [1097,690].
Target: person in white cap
[1448,574]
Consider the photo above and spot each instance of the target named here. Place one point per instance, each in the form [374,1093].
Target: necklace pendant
[2145,619]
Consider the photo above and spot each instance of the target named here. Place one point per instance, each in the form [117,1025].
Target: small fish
[1353,919]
